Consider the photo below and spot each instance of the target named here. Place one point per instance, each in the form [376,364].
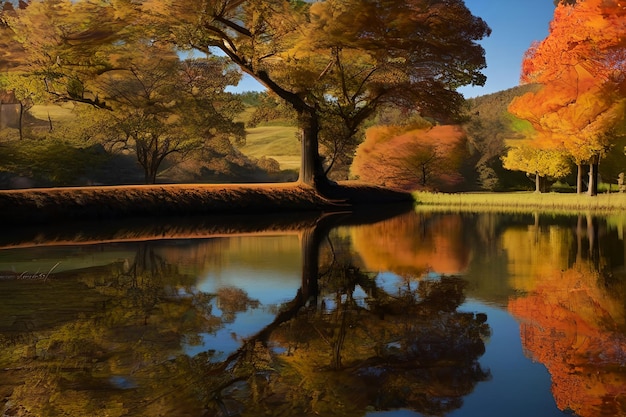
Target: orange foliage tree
[582,68]
[411,158]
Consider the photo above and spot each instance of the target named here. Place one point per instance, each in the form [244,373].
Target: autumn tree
[96,54]
[12,60]
[343,58]
[163,106]
[23,91]
[68,45]
[582,69]
[11,52]
[411,157]
[541,164]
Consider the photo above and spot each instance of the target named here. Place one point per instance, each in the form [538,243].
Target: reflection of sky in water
[519,386]
[266,286]
[272,288]
[359,296]
[392,283]
[268,270]
[269,287]
[228,339]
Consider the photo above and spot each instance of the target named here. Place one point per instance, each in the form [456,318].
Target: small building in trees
[9,111]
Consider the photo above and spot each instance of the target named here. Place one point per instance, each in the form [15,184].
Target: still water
[415,314]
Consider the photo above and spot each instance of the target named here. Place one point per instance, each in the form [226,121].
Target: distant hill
[495,104]
[492,111]
[277,142]
[489,126]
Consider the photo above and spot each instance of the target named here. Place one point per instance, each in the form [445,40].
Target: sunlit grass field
[272,141]
[54,112]
[523,201]
[277,142]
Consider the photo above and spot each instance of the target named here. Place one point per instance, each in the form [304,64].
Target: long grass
[277,142]
[523,201]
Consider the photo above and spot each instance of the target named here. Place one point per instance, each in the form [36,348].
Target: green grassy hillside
[277,142]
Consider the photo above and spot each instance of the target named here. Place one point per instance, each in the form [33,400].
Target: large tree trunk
[593,177]
[150,177]
[311,169]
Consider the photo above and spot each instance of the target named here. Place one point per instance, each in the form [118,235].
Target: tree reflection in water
[347,354]
[344,345]
[574,317]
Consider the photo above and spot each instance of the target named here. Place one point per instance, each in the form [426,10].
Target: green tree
[268,109]
[489,126]
[614,163]
[340,57]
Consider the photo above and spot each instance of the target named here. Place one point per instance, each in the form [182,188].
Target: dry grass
[116,201]
[523,201]
[277,142]
[54,112]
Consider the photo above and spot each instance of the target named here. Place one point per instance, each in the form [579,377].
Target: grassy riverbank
[522,201]
[38,206]
[51,205]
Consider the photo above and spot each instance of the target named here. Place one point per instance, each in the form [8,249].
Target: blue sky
[515,25]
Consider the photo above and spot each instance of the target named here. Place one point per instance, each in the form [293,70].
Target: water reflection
[414,245]
[335,315]
[573,316]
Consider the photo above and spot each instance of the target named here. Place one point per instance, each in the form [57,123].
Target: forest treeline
[53,156]
[134,92]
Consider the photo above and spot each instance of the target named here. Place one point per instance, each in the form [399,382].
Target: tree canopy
[417,156]
[582,68]
[97,54]
[344,58]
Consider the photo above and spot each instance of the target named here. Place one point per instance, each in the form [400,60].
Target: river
[392,313]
